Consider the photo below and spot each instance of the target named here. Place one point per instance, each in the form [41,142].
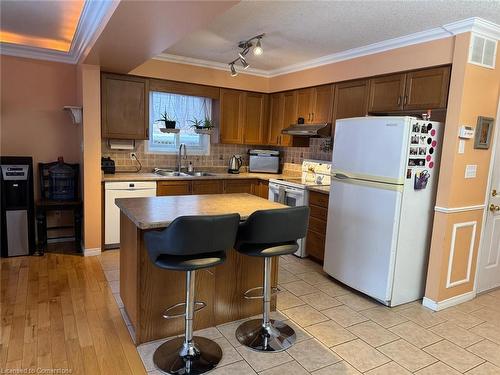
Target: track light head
[234,73]
[244,63]
[257,51]
[243,53]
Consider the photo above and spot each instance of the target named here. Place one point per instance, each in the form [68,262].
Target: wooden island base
[147,290]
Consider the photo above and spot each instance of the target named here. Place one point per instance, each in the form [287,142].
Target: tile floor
[342,332]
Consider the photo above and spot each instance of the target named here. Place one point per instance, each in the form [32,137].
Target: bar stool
[269,233]
[188,244]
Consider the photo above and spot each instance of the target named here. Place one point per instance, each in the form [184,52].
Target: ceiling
[300,31]
[43,24]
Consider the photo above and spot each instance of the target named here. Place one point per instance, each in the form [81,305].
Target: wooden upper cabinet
[322,104]
[124,107]
[276,103]
[315,104]
[386,93]
[427,89]
[231,119]
[305,101]
[289,115]
[255,118]
[351,99]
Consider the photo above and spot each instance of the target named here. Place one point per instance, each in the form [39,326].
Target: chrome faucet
[180,157]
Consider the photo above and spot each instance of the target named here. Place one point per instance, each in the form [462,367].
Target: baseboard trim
[92,252]
[453,301]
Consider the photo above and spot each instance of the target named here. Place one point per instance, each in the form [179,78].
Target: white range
[293,191]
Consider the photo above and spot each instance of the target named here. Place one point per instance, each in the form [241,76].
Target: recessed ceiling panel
[44,24]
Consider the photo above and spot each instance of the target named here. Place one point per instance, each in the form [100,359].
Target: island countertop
[159,212]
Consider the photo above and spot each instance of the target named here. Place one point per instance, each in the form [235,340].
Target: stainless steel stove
[293,191]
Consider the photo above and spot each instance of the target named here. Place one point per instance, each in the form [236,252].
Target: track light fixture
[233,70]
[245,48]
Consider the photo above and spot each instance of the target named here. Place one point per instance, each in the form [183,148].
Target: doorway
[488,276]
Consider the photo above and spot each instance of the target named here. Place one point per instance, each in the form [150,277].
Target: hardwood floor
[58,312]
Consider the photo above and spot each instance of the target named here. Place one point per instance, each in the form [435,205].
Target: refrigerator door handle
[340,176]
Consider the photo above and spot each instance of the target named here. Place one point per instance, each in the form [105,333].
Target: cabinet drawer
[315,245]
[173,188]
[319,212]
[317,225]
[239,186]
[318,199]
[207,187]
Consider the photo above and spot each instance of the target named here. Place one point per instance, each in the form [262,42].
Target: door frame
[494,150]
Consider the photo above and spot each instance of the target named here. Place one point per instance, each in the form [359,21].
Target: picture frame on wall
[482,138]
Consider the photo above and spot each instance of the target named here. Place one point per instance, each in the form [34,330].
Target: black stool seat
[190,262]
[188,244]
[268,234]
[268,250]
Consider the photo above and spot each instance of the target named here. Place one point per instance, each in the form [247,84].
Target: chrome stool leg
[266,335]
[189,354]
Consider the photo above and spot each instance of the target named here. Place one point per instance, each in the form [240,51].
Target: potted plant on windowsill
[168,122]
[205,126]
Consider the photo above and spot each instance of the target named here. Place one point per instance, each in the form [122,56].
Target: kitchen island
[147,290]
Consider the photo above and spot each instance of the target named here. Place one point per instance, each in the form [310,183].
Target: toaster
[264,161]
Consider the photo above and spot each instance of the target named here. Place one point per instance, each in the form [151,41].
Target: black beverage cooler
[17,234]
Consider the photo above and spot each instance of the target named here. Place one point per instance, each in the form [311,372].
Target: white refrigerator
[382,195]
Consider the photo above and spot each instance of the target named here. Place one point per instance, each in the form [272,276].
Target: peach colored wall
[90,81]
[433,53]
[201,75]
[438,52]
[33,123]
[474,91]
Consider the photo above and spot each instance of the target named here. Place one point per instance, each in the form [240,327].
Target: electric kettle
[235,163]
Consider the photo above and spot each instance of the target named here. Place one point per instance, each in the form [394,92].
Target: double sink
[172,173]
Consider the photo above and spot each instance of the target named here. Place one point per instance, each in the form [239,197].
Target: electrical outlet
[133,156]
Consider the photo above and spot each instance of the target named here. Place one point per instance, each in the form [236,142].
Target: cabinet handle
[312,116]
[399,100]
[406,100]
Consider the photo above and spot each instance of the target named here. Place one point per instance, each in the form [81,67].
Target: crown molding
[93,13]
[475,24]
[208,64]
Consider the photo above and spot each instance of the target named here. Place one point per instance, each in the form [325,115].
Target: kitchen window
[183,109]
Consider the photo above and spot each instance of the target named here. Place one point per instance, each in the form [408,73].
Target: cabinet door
[262,189]
[231,103]
[386,93]
[276,102]
[427,89]
[323,104]
[124,107]
[207,187]
[239,186]
[289,115]
[255,114]
[351,99]
[315,245]
[173,188]
[304,104]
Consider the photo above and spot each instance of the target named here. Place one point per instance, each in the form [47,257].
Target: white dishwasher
[114,190]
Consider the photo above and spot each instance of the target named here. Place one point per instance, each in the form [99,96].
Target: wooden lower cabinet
[173,188]
[208,187]
[249,186]
[239,186]
[316,232]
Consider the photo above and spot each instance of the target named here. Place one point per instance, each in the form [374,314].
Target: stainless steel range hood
[309,130]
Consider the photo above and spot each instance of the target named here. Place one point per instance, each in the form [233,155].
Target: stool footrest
[197,307]
[247,294]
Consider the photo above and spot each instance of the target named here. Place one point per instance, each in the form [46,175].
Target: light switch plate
[470,171]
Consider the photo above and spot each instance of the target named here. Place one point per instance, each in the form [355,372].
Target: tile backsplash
[219,155]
